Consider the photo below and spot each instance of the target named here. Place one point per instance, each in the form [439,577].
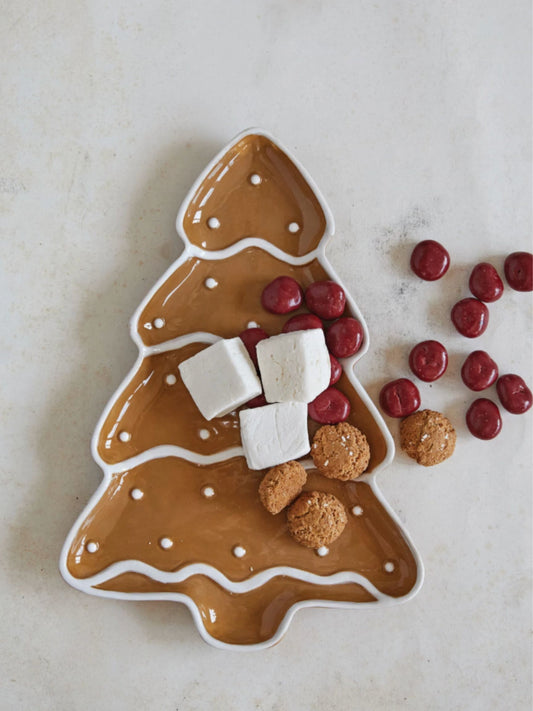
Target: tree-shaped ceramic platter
[177,499]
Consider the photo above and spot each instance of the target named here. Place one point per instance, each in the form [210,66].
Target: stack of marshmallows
[294,369]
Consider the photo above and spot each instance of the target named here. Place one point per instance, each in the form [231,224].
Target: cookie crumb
[428,437]
[281,485]
[316,519]
[331,455]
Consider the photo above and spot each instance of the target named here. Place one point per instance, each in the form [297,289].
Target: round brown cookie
[427,436]
[316,519]
[340,451]
[281,485]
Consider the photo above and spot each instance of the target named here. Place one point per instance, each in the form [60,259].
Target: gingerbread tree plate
[177,500]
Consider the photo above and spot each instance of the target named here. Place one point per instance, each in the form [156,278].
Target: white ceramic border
[86,584]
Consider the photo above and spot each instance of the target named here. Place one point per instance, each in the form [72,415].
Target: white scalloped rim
[86,584]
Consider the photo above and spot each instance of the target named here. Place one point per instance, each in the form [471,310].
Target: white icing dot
[326,462]
[166,543]
[124,436]
[293,227]
[255,179]
[136,494]
[350,453]
[210,283]
[159,322]
[204,434]
[357,510]
[239,551]
[148,326]
[389,566]
[252,324]
[213,223]
[170,379]
[91,547]
[208,492]
[322,551]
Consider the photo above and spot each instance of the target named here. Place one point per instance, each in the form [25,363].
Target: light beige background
[413,116]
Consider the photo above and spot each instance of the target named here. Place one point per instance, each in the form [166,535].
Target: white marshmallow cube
[274,434]
[295,366]
[220,378]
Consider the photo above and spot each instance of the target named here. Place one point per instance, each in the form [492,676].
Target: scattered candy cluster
[470,316]
[325,301]
[281,380]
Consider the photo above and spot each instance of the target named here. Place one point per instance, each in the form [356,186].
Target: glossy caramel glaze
[226,309]
[246,210]
[205,530]
[244,618]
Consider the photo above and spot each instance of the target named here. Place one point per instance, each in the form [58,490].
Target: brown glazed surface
[205,530]
[242,619]
[282,197]
[186,304]
[154,412]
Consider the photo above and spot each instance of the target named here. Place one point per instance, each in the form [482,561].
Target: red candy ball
[470,317]
[257,401]
[302,322]
[251,338]
[518,269]
[485,283]
[399,398]
[479,371]
[344,337]
[329,407]
[429,260]
[428,360]
[282,295]
[514,394]
[325,299]
[336,370]
[483,419]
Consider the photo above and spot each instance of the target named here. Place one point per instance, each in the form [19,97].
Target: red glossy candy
[399,398]
[282,295]
[344,337]
[336,370]
[257,401]
[329,407]
[428,360]
[514,394]
[251,337]
[325,299]
[470,317]
[485,283]
[429,260]
[518,269]
[483,419]
[302,322]
[479,371]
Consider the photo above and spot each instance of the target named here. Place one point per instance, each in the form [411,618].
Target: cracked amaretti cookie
[340,451]
[428,437]
[281,485]
[316,519]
